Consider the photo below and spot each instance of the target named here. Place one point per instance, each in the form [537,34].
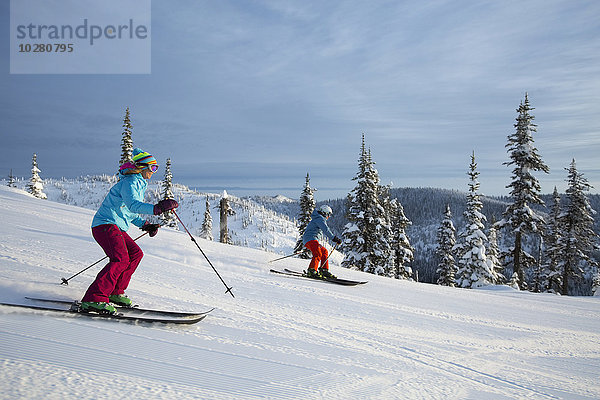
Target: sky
[250,96]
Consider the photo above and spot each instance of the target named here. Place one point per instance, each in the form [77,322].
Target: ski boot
[312,273]
[120,300]
[325,274]
[99,307]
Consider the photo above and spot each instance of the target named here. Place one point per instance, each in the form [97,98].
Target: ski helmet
[325,210]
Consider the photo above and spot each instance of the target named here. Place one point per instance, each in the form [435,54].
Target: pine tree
[475,268]
[36,184]
[514,281]
[381,230]
[126,141]
[366,235]
[493,253]
[402,250]
[446,239]
[578,238]
[168,218]
[355,245]
[525,188]
[551,277]
[206,231]
[307,206]
[11,180]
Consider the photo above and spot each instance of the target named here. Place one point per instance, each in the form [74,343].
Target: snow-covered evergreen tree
[551,276]
[36,184]
[389,209]
[401,247]
[168,218]
[493,253]
[578,238]
[307,206]
[514,281]
[475,269]
[365,238]
[206,231]
[11,180]
[354,242]
[525,189]
[126,140]
[446,240]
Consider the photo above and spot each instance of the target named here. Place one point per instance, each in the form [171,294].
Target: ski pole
[65,281]
[201,251]
[281,258]
[329,255]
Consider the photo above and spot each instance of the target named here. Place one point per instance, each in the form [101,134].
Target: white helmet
[325,210]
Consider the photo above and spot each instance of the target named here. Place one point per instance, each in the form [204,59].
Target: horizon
[290,192]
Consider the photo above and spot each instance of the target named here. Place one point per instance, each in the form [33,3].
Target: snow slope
[253,225]
[280,337]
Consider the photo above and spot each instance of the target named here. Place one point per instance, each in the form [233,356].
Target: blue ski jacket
[124,202]
[316,228]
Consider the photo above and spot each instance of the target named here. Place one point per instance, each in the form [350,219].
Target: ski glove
[152,229]
[337,240]
[165,205]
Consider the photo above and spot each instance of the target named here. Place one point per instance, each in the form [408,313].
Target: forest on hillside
[425,207]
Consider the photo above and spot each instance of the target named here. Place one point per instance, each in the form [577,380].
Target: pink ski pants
[124,255]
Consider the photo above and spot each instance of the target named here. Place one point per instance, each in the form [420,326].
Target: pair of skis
[137,314]
[338,281]
[132,314]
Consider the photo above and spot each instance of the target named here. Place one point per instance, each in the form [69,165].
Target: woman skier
[319,265]
[120,208]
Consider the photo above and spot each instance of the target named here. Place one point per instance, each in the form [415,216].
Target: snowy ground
[280,338]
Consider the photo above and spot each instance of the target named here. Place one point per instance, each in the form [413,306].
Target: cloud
[295,84]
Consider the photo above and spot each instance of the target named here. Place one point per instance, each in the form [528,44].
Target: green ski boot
[99,307]
[326,274]
[312,273]
[120,300]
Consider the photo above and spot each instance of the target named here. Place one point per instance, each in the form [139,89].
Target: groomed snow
[280,337]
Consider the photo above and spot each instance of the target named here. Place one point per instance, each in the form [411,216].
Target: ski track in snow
[184,364]
[281,337]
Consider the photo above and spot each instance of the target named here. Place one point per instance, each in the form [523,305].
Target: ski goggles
[152,167]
